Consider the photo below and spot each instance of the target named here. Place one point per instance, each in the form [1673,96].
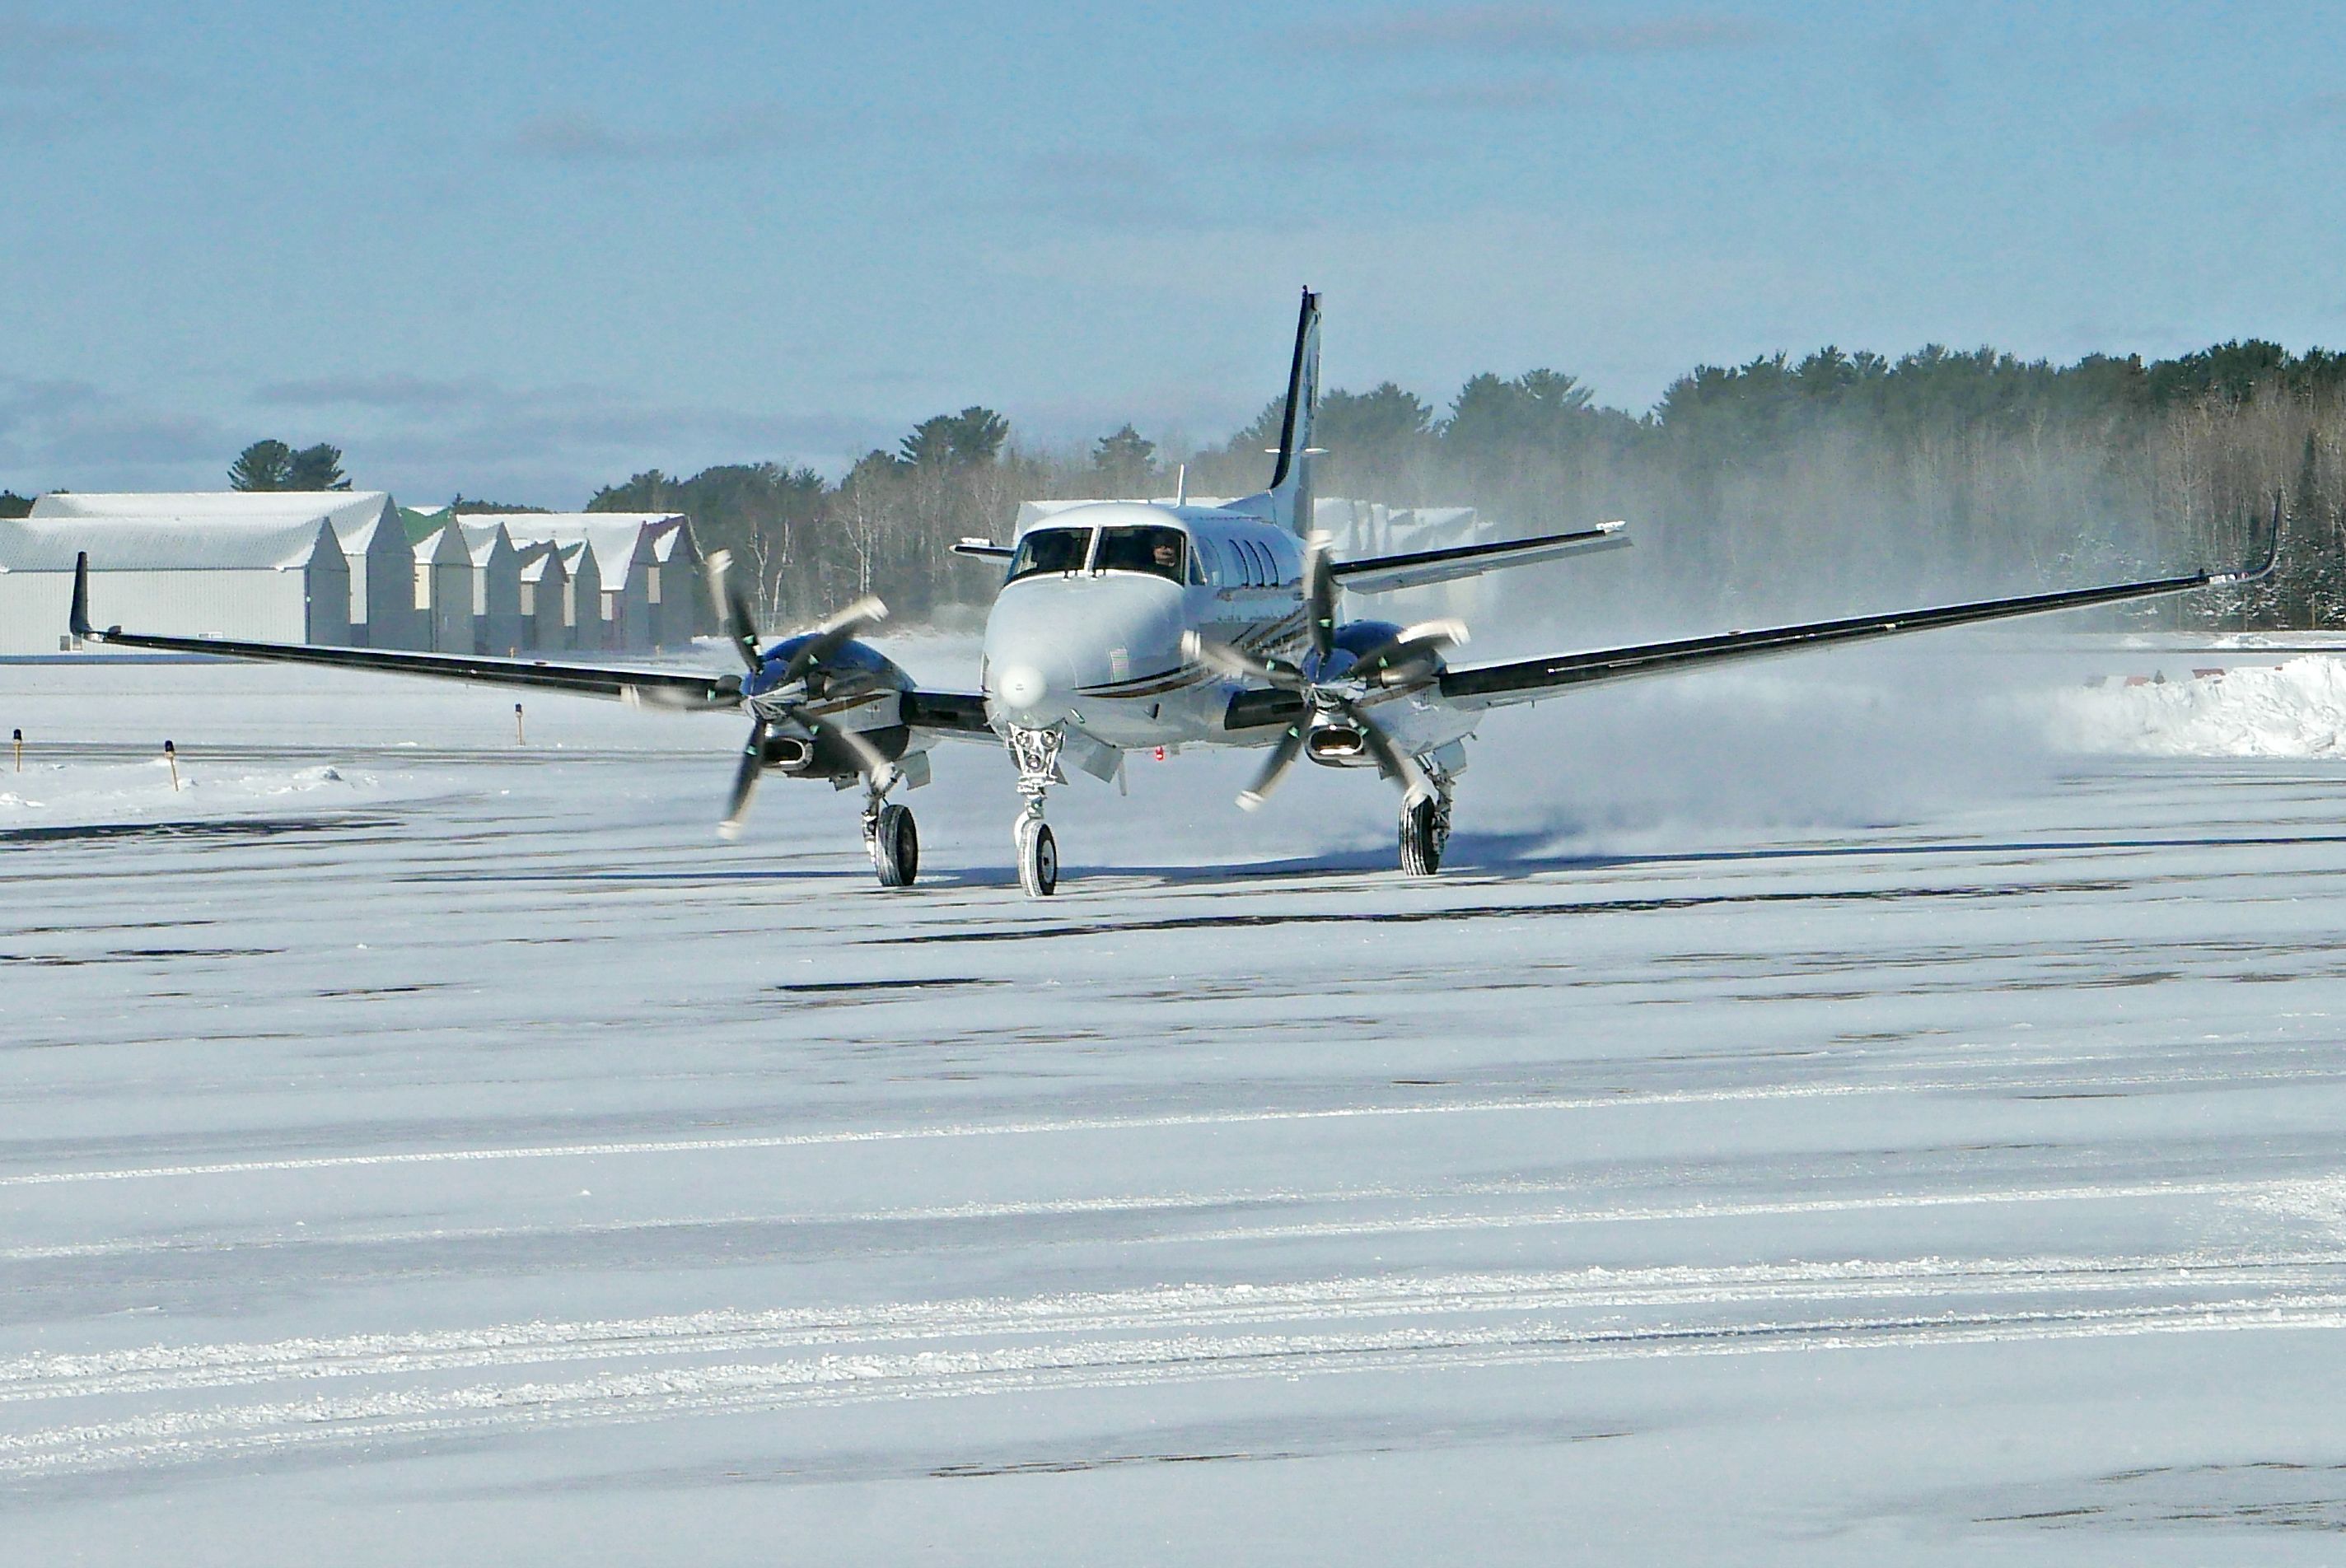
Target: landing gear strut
[1426,830]
[1036,754]
[890,837]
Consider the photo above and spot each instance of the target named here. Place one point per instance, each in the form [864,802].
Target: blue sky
[525,248]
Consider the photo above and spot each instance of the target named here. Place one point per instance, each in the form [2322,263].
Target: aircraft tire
[1038,860]
[897,848]
[1420,838]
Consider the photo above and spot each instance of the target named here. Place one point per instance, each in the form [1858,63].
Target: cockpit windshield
[1051,550]
[1161,551]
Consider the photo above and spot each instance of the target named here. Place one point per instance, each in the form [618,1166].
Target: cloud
[582,136]
[383,391]
[59,431]
[58,79]
[1546,30]
[2147,125]
[34,52]
[1329,143]
[1506,96]
[1104,187]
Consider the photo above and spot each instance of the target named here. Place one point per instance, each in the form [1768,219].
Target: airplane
[1128,624]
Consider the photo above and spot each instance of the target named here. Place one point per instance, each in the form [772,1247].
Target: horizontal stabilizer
[1420,568]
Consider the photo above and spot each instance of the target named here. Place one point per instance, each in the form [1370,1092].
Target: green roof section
[422,526]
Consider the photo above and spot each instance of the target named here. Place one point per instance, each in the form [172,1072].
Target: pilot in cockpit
[1167,555]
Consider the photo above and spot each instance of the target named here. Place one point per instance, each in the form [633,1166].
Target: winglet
[79,623]
[2264,568]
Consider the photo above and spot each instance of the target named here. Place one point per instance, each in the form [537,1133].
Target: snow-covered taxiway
[1810,1120]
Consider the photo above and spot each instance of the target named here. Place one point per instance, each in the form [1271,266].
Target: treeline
[1779,486]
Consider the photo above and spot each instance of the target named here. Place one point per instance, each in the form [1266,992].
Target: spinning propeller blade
[1396,763]
[1282,758]
[1236,661]
[745,780]
[832,635]
[1408,655]
[1319,598]
[733,606]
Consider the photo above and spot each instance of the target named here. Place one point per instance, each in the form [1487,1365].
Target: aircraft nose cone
[1021,687]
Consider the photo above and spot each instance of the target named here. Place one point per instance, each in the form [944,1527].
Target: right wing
[661,688]
[1385,573]
[1490,685]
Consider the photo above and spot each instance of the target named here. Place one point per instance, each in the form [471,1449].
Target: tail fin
[1290,481]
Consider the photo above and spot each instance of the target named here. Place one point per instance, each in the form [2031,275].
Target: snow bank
[2297,709]
[57,794]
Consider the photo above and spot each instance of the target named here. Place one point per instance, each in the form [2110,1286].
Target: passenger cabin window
[1163,552]
[1051,550]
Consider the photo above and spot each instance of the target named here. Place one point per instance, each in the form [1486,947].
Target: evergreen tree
[318,467]
[1123,463]
[263,466]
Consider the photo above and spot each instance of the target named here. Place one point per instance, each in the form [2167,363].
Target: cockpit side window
[1162,552]
[1051,550]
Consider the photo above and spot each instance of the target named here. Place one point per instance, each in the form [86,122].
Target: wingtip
[78,619]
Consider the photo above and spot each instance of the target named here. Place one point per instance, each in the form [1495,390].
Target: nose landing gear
[1036,754]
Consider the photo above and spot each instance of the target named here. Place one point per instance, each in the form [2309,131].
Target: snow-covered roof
[617,539]
[161,544]
[355,514]
[542,559]
[481,536]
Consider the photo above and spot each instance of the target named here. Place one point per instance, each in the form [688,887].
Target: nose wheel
[1036,754]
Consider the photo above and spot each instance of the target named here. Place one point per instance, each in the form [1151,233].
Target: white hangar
[276,579]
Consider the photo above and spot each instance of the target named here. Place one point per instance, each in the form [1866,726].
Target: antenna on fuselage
[1181,485]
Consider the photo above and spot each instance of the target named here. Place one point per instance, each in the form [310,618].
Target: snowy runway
[464,1147]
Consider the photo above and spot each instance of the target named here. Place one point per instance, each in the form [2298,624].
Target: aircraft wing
[946,712]
[1526,680]
[1385,573]
[666,689]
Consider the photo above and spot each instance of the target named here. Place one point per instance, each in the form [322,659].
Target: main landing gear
[1425,829]
[890,837]
[1036,754]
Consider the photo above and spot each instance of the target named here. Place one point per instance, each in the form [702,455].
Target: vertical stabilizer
[1290,481]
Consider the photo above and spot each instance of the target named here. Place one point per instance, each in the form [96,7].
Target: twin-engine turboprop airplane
[1123,625]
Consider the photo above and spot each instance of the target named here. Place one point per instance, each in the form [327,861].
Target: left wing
[1385,573]
[1491,685]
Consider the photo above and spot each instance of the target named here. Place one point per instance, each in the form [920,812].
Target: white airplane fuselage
[1098,648]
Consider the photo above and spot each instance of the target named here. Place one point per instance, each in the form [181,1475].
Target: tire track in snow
[2262,1191]
[181,1436]
[158,1368]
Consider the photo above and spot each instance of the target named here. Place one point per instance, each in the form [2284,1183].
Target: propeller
[785,694]
[1406,657]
